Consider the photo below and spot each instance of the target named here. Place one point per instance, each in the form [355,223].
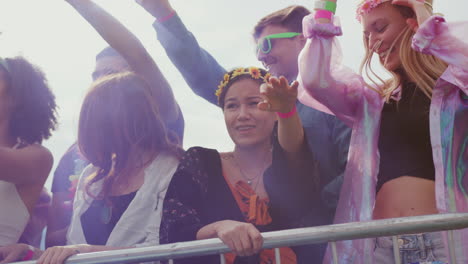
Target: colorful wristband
[325,5]
[287,115]
[29,255]
[167,17]
[323,14]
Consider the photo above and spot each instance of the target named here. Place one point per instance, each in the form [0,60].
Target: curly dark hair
[33,113]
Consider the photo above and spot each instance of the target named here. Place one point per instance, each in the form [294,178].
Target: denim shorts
[427,248]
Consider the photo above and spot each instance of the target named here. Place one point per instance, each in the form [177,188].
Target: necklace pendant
[249,182]
[106,214]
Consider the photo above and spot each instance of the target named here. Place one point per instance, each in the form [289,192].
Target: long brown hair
[422,69]
[120,129]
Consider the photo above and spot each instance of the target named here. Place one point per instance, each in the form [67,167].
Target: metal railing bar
[222,259]
[451,246]
[291,237]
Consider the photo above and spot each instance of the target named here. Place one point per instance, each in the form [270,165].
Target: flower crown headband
[367,6]
[254,72]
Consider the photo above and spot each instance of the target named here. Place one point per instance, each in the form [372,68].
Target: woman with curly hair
[27,117]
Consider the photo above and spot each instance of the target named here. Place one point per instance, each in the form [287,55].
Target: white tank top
[14,215]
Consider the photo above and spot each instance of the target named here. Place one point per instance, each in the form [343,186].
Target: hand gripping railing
[284,238]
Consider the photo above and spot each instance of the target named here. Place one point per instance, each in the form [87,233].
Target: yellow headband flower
[254,72]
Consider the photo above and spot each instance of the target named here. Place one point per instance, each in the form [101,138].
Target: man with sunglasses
[279,42]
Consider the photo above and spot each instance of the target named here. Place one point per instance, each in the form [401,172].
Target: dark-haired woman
[266,183]
[27,117]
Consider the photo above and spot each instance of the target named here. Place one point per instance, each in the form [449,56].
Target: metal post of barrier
[396,250]
[222,258]
[451,245]
[277,256]
[171,261]
[334,252]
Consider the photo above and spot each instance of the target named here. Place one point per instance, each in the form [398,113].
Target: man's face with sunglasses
[278,49]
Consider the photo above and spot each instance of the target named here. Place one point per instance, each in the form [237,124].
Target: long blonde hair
[422,69]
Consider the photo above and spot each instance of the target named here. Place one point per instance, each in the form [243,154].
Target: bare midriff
[405,196]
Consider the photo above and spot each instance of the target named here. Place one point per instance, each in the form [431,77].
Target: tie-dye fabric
[328,86]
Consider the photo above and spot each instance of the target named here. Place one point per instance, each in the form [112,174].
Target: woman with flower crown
[266,183]
[408,153]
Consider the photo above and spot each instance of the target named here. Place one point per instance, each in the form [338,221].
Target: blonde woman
[408,153]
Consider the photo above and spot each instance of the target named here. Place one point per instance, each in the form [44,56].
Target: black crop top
[404,141]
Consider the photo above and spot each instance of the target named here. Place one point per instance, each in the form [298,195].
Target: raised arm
[281,97]
[448,42]
[131,49]
[325,84]
[199,69]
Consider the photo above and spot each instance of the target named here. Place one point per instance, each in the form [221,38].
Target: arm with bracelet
[324,10]
[199,68]
[18,252]
[280,97]
[324,83]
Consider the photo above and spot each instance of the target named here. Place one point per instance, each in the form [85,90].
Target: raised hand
[243,239]
[279,95]
[419,8]
[157,8]
[409,3]
[58,255]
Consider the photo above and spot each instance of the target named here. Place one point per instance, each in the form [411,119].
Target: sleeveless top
[13,223]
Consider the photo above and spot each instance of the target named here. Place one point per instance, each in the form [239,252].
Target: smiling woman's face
[246,124]
[382,30]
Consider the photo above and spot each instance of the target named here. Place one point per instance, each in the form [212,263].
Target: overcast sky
[52,35]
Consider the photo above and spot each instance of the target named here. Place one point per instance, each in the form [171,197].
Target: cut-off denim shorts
[427,248]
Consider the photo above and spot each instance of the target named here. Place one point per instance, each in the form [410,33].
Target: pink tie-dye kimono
[328,86]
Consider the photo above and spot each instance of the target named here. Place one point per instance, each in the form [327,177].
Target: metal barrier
[284,238]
